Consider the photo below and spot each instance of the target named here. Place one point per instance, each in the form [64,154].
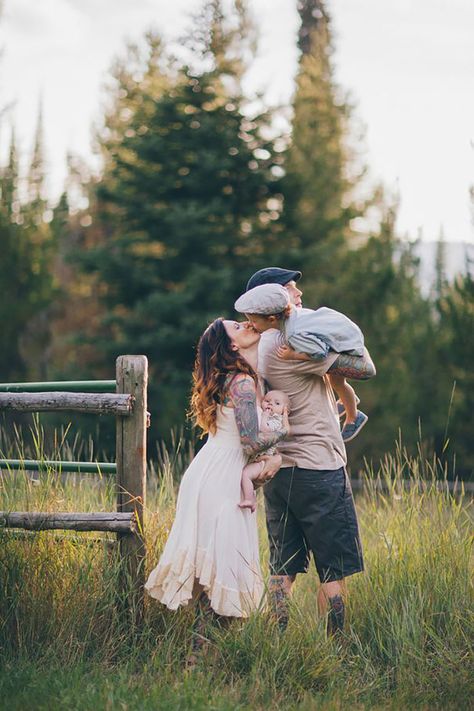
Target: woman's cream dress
[212,539]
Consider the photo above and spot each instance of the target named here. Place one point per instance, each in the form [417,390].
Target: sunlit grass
[64,643]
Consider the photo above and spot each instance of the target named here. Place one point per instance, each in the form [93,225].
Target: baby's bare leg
[346,394]
[249,473]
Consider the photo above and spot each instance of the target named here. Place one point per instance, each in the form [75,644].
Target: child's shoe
[352,429]
[340,406]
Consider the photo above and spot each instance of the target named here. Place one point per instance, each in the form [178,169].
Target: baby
[275,406]
[309,335]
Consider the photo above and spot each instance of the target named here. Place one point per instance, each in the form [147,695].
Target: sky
[408,66]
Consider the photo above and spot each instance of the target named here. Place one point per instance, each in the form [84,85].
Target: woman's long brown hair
[215,360]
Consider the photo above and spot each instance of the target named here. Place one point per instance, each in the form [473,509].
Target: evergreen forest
[199,187]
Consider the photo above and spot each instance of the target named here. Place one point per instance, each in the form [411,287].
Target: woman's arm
[243,395]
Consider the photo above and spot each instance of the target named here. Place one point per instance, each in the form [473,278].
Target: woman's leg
[205,620]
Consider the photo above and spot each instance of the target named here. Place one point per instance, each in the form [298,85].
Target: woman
[212,549]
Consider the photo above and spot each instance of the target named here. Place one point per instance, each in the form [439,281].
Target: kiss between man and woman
[263,392]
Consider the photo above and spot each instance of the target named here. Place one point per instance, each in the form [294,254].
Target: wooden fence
[129,405]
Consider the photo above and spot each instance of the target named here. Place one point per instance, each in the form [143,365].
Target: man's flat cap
[272,275]
[265,300]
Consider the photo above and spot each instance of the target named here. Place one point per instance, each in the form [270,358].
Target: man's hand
[272,465]
[287,353]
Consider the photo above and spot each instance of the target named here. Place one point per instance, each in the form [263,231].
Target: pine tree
[14,270]
[183,208]
[378,288]
[440,267]
[25,278]
[9,182]
[75,319]
[36,334]
[320,172]
[456,346]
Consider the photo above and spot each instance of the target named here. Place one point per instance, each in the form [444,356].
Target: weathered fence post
[132,377]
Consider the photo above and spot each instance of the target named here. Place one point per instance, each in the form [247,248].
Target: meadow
[408,644]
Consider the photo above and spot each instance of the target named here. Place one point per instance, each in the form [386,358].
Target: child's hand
[286,421]
[287,353]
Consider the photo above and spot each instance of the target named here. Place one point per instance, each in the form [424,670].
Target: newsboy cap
[265,300]
[272,275]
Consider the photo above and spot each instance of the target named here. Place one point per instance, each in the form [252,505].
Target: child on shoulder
[310,335]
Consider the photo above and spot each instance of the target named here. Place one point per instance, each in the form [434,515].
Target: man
[308,502]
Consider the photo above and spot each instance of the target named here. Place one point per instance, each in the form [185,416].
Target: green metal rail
[43,464]
[72,386]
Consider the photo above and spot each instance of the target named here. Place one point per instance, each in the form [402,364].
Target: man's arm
[355,367]
[244,398]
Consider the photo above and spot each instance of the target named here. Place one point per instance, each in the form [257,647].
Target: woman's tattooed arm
[243,395]
[355,367]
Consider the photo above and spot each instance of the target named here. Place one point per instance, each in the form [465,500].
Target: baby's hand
[286,421]
[287,353]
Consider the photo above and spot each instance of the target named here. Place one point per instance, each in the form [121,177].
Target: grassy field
[63,645]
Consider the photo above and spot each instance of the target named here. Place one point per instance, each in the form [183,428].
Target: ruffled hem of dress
[172,584]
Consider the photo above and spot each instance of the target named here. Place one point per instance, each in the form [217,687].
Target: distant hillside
[456,260]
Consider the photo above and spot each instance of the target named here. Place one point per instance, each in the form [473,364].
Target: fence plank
[132,377]
[97,403]
[41,521]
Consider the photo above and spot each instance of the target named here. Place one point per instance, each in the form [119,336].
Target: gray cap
[265,300]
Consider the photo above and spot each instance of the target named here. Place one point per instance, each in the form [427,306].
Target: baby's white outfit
[274,424]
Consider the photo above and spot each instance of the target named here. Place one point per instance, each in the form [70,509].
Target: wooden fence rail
[95,403]
[42,521]
[128,404]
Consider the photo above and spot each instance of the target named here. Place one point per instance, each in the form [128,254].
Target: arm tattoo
[243,395]
[227,399]
[355,367]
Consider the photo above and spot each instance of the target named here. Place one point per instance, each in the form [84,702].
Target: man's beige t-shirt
[315,441]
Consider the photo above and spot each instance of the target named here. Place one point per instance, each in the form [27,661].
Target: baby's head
[275,402]
[265,306]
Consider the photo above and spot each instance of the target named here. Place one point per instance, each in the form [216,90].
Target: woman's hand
[272,465]
[287,353]
[243,395]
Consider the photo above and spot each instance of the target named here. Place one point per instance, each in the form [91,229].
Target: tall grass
[409,637]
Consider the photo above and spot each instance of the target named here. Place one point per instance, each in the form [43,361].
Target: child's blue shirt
[317,332]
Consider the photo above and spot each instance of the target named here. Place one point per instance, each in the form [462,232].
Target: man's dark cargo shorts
[312,511]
